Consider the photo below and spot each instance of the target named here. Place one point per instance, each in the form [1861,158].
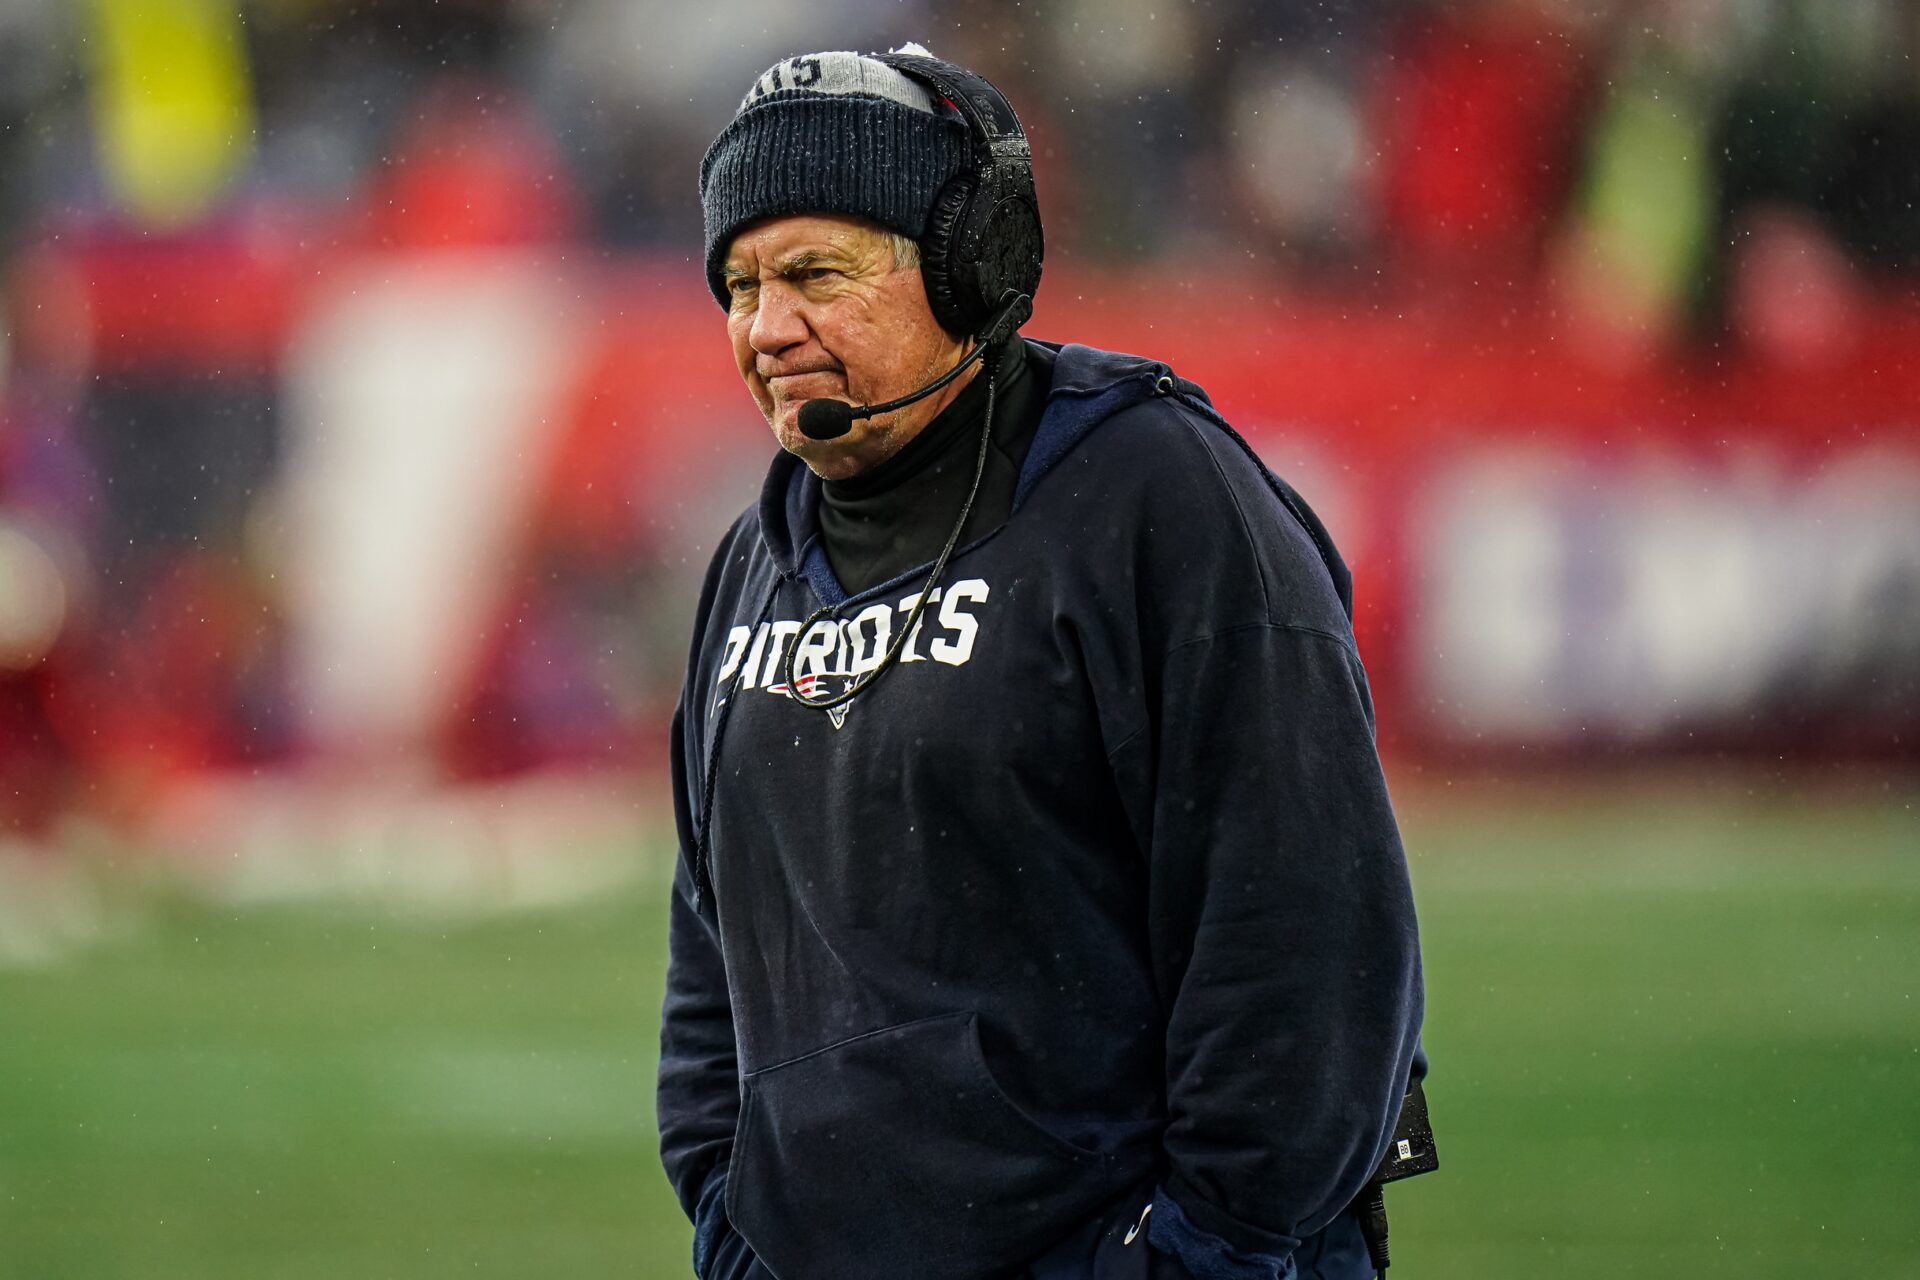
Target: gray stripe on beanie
[837,73]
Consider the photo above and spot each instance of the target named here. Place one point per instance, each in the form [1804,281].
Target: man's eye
[740,285]
[813,275]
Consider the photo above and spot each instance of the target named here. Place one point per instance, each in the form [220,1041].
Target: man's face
[818,307]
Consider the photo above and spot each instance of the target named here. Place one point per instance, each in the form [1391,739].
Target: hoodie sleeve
[1283,939]
[698,1099]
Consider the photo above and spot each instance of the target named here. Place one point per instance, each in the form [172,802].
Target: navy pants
[1100,1251]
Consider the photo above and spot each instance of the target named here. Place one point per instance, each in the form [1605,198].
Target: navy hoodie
[1095,900]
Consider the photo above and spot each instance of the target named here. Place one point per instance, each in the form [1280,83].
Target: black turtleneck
[885,521]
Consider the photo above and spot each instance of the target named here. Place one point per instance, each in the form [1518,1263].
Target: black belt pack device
[1412,1151]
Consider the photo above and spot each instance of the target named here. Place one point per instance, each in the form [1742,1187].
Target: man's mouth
[785,379]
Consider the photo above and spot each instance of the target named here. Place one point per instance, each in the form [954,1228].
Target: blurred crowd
[1375,145]
[1685,179]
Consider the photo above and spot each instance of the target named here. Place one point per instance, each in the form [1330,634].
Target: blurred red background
[396,438]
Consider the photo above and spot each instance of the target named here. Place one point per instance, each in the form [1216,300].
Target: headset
[983,238]
[981,252]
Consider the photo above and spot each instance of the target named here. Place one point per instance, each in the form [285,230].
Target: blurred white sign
[1557,597]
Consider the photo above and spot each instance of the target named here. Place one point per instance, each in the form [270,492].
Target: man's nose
[777,322]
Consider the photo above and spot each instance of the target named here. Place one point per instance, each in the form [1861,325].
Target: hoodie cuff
[710,1224]
[1197,1238]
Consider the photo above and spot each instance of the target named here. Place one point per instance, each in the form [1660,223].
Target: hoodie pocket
[896,1154]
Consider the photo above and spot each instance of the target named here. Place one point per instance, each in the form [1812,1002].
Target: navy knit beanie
[829,133]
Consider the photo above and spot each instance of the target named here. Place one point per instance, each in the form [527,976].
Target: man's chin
[836,459]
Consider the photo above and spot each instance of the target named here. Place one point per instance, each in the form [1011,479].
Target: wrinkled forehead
[783,239]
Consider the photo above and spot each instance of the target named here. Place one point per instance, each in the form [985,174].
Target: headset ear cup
[1011,245]
[952,293]
[983,236]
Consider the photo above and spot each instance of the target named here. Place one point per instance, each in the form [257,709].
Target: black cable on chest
[899,641]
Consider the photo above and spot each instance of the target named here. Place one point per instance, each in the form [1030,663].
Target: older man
[1040,909]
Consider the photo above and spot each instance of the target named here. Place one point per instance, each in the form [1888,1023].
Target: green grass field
[1672,1037]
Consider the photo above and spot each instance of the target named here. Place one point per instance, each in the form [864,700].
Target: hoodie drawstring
[702,872]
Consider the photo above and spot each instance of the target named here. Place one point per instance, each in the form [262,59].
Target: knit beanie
[829,133]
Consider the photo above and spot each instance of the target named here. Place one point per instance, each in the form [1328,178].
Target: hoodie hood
[1089,387]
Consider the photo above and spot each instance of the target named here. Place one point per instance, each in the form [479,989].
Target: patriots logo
[821,684]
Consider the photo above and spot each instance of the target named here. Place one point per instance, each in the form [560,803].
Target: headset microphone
[826,419]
